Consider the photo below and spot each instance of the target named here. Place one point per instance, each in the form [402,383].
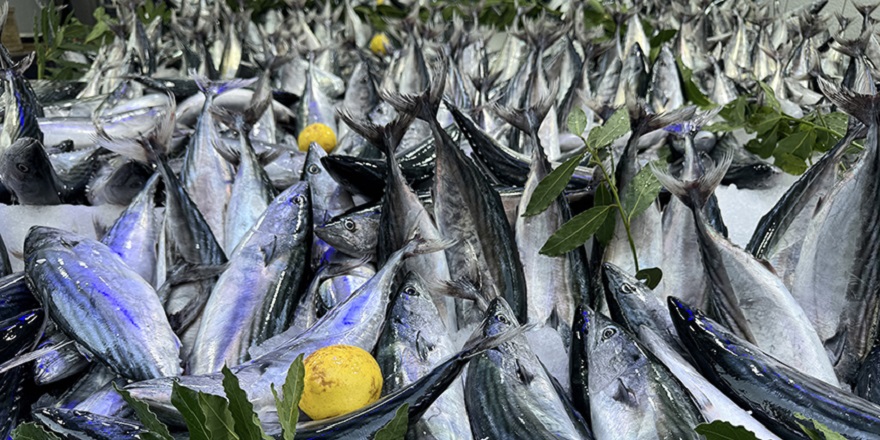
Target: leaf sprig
[211,417]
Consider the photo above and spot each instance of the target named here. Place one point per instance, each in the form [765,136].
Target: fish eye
[411,291]
[608,333]
[22,167]
[299,200]
[313,169]
[503,319]
[349,224]
[628,288]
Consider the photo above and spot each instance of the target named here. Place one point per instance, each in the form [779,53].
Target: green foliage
[691,92]
[288,402]
[651,276]
[31,431]
[817,431]
[721,430]
[396,428]
[247,425]
[600,219]
[552,186]
[210,417]
[791,141]
[156,430]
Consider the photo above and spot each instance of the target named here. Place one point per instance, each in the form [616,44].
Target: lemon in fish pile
[318,133]
[339,379]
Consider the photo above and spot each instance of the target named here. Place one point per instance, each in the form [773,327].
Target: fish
[840,241]
[508,392]
[632,395]
[771,390]
[414,342]
[254,296]
[26,171]
[745,293]
[95,298]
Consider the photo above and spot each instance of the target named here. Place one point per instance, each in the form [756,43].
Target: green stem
[612,187]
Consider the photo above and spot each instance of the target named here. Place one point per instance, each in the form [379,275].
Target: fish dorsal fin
[768,266]
[624,394]
[525,376]
[423,347]
[836,344]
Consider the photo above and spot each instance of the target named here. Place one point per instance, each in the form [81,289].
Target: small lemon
[379,44]
[319,133]
[339,379]
[380,2]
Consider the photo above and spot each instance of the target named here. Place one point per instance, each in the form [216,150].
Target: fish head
[289,213]
[499,318]
[611,352]
[696,330]
[25,167]
[355,234]
[40,238]
[631,296]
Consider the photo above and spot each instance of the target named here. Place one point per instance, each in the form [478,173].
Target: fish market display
[519,209]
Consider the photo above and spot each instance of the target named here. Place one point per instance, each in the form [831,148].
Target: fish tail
[213,88]
[865,108]
[526,120]
[461,288]
[231,119]
[426,104]
[695,192]
[384,137]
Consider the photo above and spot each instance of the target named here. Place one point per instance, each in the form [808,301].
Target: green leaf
[764,120]
[799,144]
[549,189]
[735,112]
[640,193]
[187,403]
[288,402]
[816,430]
[721,430]
[770,96]
[616,126]
[791,164]
[32,431]
[218,419]
[396,428]
[603,197]
[763,146]
[691,92]
[157,430]
[247,425]
[577,121]
[576,231]
[97,31]
[651,276]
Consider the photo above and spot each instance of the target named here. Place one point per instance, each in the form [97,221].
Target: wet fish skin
[80,423]
[840,251]
[632,395]
[25,169]
[357,321]
[714,404]
[355,233]
[264,277]
[508,392]
[73,276]
[773,391]
[135,234]
[413,343]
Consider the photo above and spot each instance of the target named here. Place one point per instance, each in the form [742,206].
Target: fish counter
[441,220]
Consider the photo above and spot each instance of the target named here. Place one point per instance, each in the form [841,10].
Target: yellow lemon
[380,2]
[319,133]
[379,44]
[339,379]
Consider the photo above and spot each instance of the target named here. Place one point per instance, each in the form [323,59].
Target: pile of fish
[230,246]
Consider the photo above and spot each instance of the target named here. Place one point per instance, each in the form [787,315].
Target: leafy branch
[210,417]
